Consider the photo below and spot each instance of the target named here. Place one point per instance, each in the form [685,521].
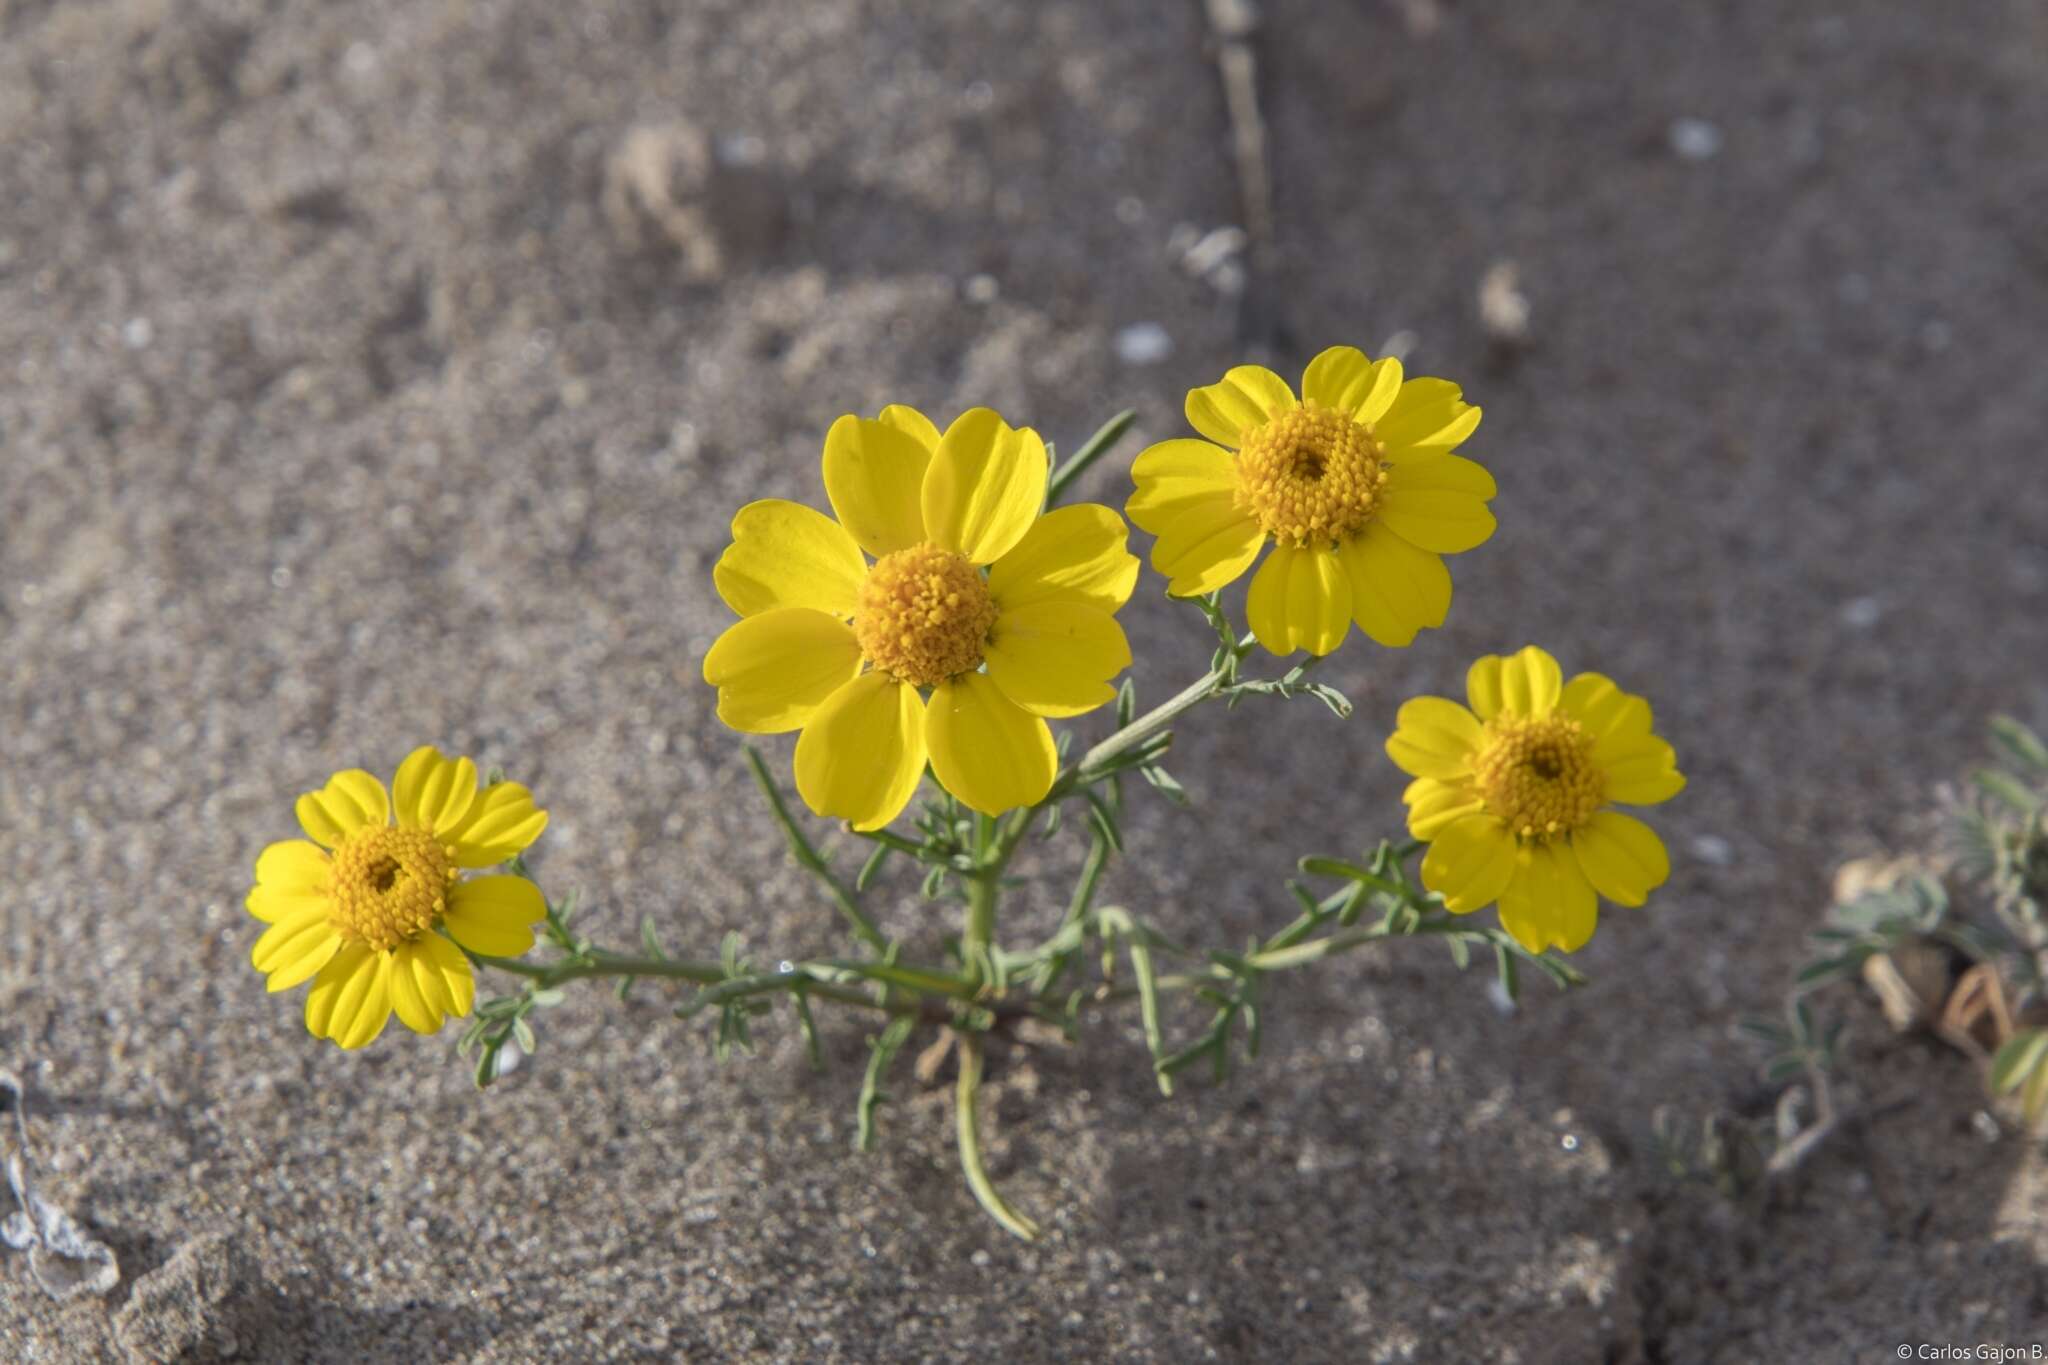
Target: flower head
[366,906]
[1513,796]
[1353,484]
[1003,612]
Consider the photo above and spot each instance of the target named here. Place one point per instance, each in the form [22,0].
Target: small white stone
[1713,850]
[137,333]
[1143,343]
[981,289]
[1695,139]
[1861,613]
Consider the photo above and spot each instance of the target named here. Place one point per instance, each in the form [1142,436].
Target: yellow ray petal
[1247,396]
[1396,589]
[874,475]
[295,948]
[1645,780]
[351,998]
[1469,863]
[1445,474]
[501,822]
[1056,658]
[349,801]
[985,486]
[784,554]
[1525,683]
[1608,713]
[1071,554]
[1434,803]
[416,1009]
[1300,599]
[1622,857]
[430,980]
[1442,520]
[494,915]
[1548,902]
[1427,418]
[433,791]
[1173,476]
[1344,378]
[458,982]
[773,671]
[291,875]
[861,755]
[1206,546]
[988,751]
[1434,737]
[912,422]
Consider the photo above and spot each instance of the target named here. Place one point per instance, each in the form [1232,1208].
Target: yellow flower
[1354,484]
[840,648]
[362,907]
[1513,796]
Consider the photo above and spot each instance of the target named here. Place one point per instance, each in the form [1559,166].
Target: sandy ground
[355,393]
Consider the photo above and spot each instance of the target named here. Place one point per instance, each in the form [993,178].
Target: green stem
[1055,964]
[811,860]
[1107,435]
[598,963]
[823,978]
[984,887]
[1315,950]
[1158,718]
[968,1128]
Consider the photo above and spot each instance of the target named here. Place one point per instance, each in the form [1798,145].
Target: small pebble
[1861,613]
[1713,850]
[1695,139]
[1143,343]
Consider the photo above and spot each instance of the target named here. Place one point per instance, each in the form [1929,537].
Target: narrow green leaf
[1317,866]
[1093,449]
[882,1050]
[2034,1099]
[2019,744]
[2007,789]
[872,866]
[2021,1055]
[809,1027]
[1510,976]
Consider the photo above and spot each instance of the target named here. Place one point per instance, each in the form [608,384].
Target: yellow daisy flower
[1513,796]
[840,648]
[366,907]
[1354,484]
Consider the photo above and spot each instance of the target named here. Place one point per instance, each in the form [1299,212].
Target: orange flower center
[924,615]
[390,885]
[1538,776]
[1311,476]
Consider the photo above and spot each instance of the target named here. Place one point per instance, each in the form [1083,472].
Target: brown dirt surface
[388,372]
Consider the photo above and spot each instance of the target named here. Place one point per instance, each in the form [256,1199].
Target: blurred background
[383,373]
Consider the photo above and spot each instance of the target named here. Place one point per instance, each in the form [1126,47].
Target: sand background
[358,389]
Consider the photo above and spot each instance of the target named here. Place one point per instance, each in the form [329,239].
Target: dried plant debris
[64,1261]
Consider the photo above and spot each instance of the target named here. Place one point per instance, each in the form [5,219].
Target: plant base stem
[965,1096]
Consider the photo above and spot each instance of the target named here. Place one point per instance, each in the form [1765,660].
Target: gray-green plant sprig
[986,986]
